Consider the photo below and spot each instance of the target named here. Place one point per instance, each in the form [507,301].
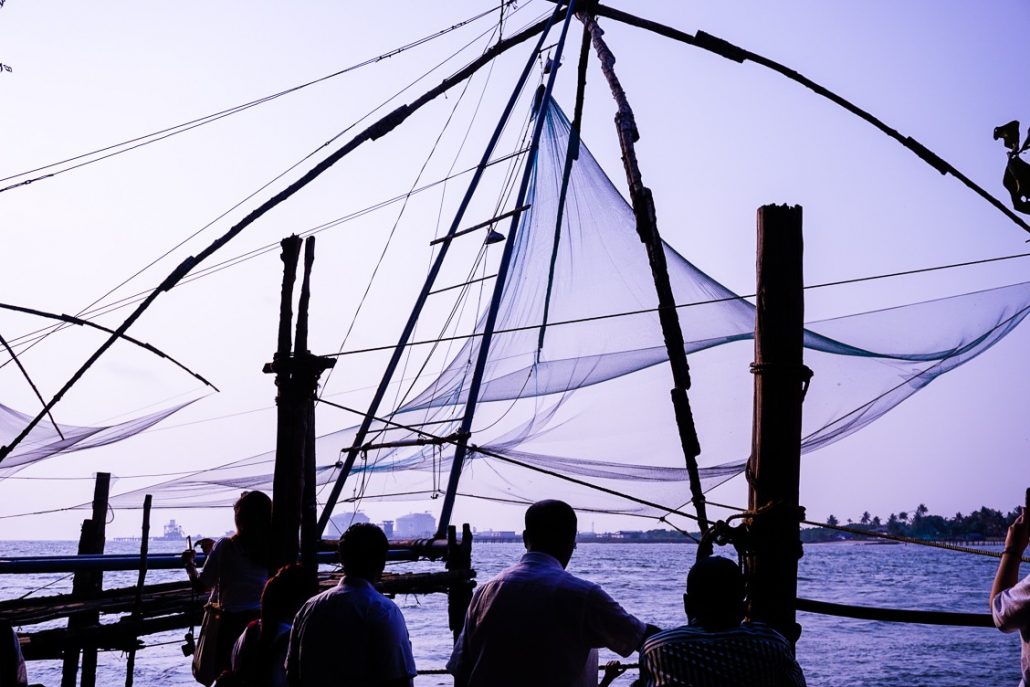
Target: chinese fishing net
[590,400]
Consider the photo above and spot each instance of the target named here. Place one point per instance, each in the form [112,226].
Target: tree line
[986,523]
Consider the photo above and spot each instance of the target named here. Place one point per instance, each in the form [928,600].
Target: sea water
[647,579]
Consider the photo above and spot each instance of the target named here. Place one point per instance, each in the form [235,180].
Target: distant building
[388,528]
[415,525]
[341,522]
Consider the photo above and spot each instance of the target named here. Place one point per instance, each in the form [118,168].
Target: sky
[718,139]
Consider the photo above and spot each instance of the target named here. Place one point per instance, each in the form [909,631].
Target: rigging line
[493,454]
[409,351]
[644,311]
[398,351]
[215,116]
[891,537]
[737,54]
[240,258]
[418,178]
[463,294]
[460,452]
[35,389]
[387,124]
[86,323]
[396,223]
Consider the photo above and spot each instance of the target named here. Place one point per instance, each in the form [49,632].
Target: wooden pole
[286,485]
[294,506]
[144,548]
[647,229]
[87,585]
[780,382]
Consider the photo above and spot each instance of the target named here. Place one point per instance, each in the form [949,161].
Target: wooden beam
[780,381]
[87,584]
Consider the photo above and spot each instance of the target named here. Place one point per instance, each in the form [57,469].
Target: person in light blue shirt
[536,625]
[351,634]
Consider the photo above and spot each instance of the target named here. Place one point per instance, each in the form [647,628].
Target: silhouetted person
[1017,172]
[536,625]
[259,657]
[715,648]
[352,634]
[236,569]
[1010,598]
[12,664]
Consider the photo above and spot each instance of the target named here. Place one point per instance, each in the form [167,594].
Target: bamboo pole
[434,270]
[780,381]
[647,229]
[461,450]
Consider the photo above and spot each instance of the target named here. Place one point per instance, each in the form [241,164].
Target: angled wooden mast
[409,327]
[647,228]
[462,447]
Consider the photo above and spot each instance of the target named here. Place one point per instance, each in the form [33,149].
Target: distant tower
[388,528]
[416,525]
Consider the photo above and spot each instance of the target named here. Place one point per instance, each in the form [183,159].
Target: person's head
[551,529]
[715,593]
[363,550]
[284,594]
[253,513]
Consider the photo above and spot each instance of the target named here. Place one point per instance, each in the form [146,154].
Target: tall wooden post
[780,381]
[286,485]
[87,584]
[294,509]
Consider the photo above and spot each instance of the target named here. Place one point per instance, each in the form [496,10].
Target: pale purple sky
[718,140]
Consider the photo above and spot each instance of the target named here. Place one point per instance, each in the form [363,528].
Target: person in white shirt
[1010,598]
[537,625]
[235,570]
[351,634]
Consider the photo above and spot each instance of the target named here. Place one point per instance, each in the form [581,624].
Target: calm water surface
[648,580]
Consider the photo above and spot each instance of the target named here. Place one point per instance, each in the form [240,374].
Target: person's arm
[1015,544]
[612,670]
[1009,614]
[609,625]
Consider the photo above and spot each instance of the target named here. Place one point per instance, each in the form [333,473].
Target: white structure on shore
[415,525]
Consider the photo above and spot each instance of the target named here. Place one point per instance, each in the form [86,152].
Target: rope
[238,259]
[380,128]
[387,122]
[890,537]
[168,132]
[735,53]
[725,299]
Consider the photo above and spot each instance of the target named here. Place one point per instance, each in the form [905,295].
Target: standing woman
[236,570]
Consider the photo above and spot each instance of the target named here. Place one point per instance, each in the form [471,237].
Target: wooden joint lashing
[801,371]
[720,47]
[389,122]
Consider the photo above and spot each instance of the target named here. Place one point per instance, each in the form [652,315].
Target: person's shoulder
[684,633]
[761,630]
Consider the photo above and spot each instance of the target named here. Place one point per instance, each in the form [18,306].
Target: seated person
[259,657]
[715,648]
